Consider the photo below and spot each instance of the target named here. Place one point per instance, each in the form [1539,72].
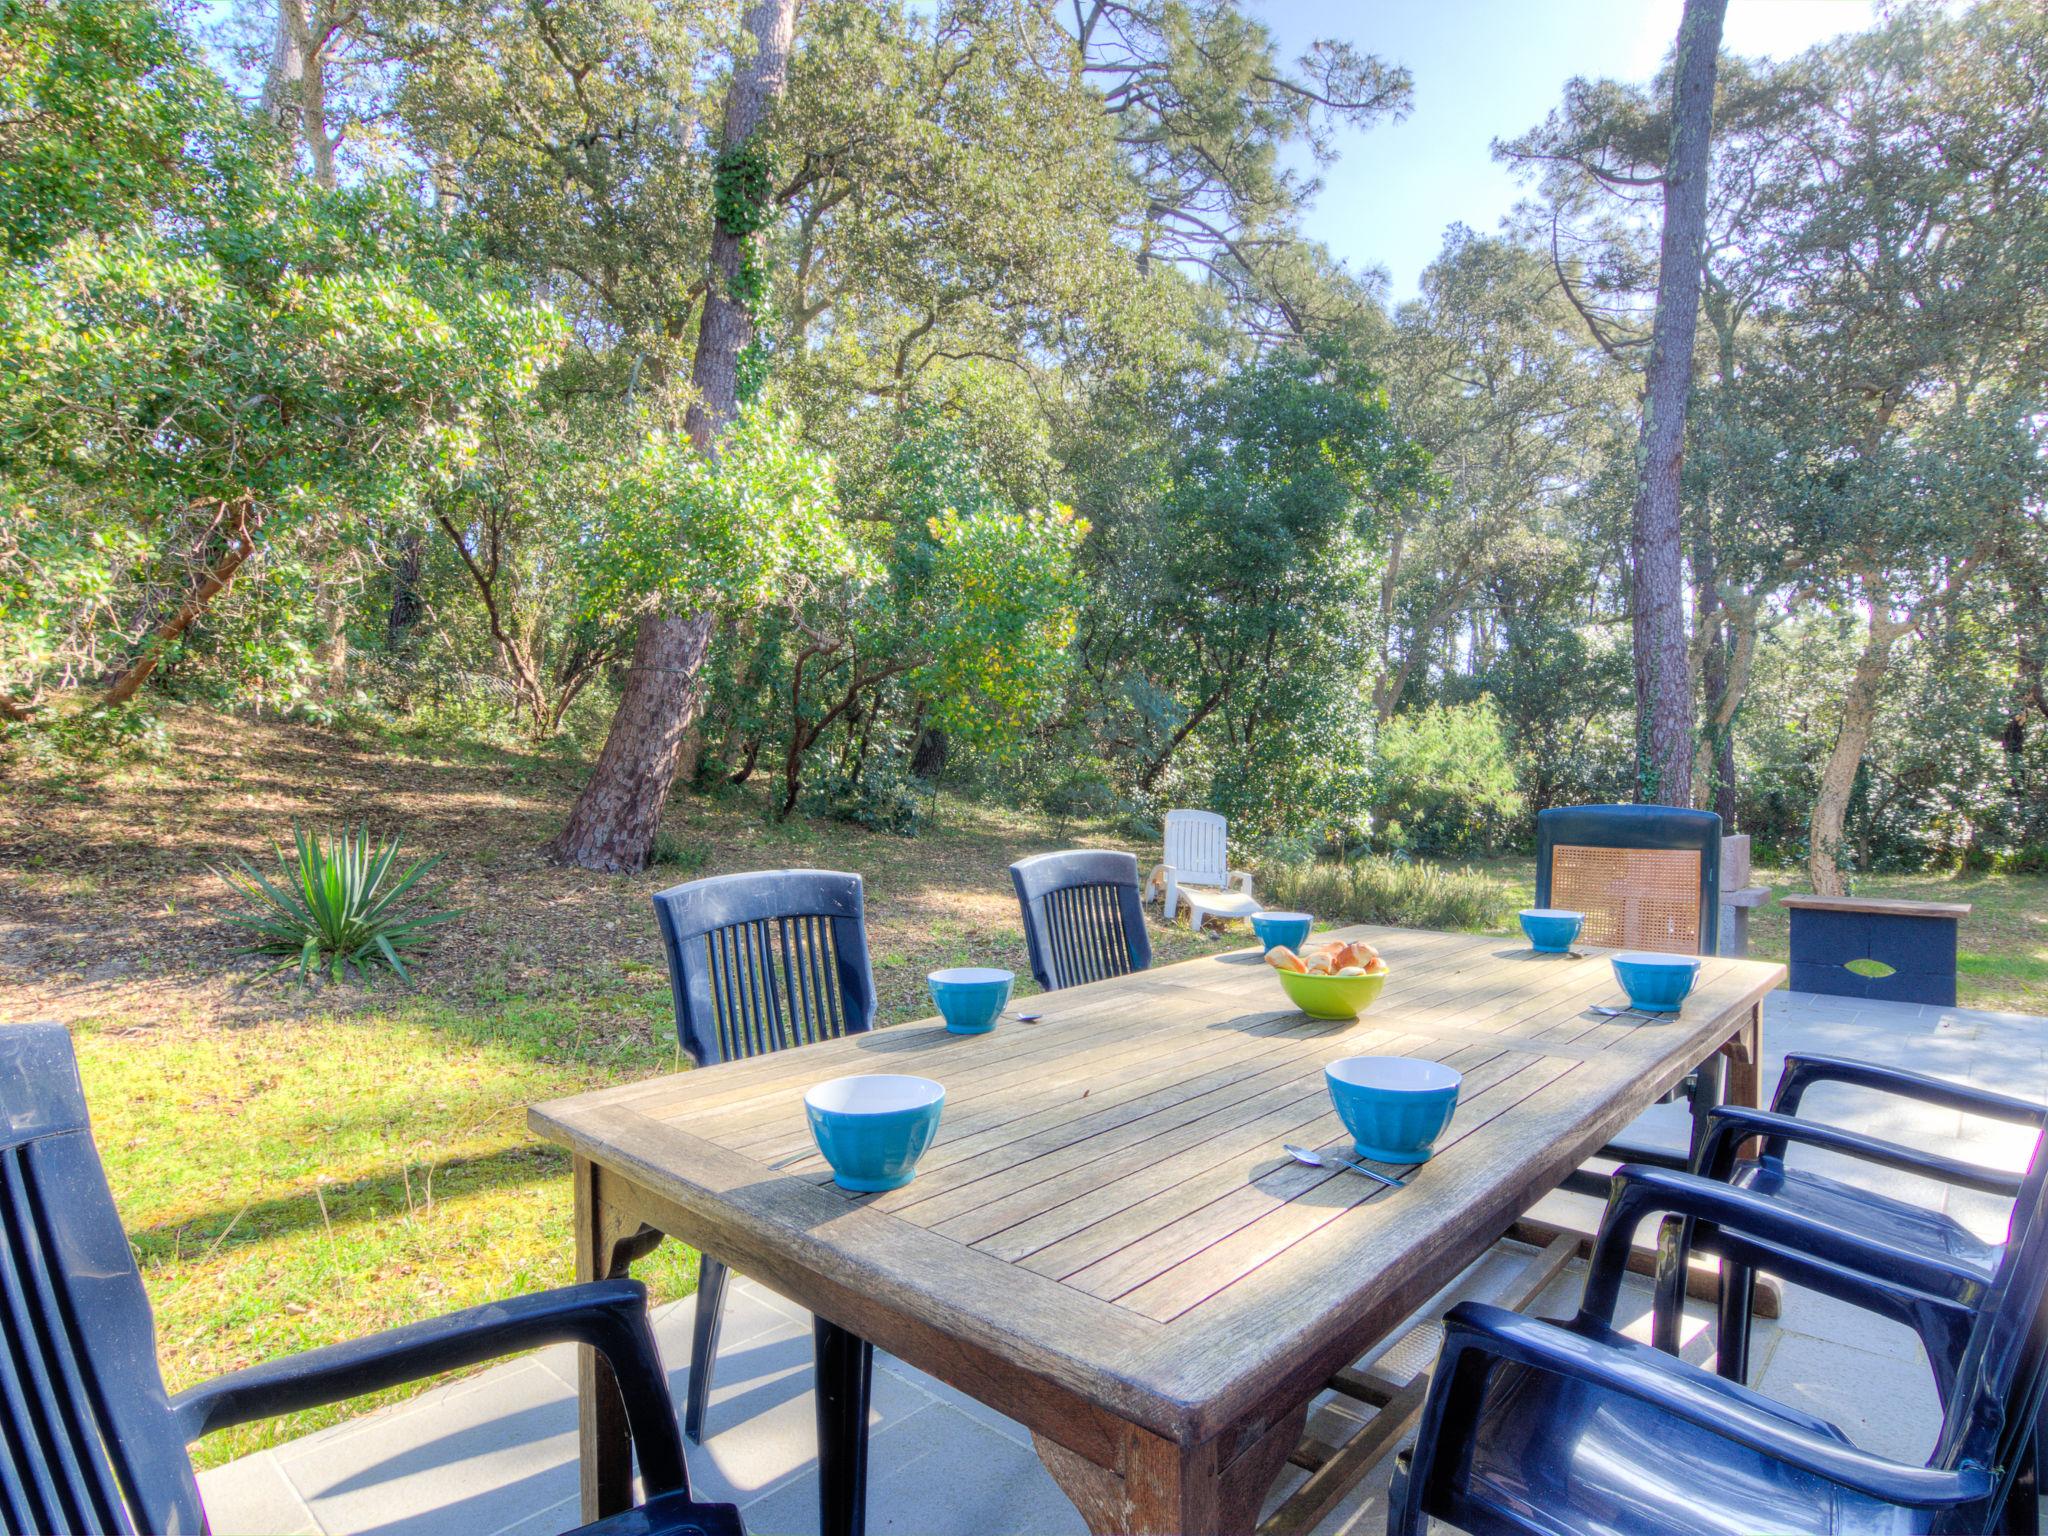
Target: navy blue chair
[1083,920]
[89,1439]
[1902,1225]
[757,963]
[1560,1428]
[1646,876]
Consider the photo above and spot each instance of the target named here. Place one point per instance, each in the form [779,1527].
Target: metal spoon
[1327,1160]
[1616,1013]
[1025,1018]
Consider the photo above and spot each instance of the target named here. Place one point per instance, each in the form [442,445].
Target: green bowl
[1331,997]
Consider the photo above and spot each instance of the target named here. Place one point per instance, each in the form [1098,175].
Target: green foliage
[880,795]
[736,532]
[1230,611]
[1443,781]
[675,853]
[104,115]
[180,397]
[336,906]
[1398,892]
[1001,609]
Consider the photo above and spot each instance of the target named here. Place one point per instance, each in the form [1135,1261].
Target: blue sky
[1487,69]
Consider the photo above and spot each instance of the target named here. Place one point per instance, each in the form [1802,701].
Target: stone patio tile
[1814,1316]
[750,1311]
[473,1461]
[762,1422]
[253,1497]
[552,1521]
[953,1398]
[1885,1405]
[936,1473]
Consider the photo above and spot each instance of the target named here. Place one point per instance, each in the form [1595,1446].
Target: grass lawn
[298,1167]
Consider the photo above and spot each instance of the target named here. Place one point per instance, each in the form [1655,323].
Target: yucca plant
[335,906]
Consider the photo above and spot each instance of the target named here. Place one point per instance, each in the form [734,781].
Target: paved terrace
[495,1454]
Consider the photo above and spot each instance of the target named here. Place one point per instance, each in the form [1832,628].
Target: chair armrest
[608,1315]
[1688,1394]
[1730,1125]
[1241,878]
[1802,1072]
[1640,1192]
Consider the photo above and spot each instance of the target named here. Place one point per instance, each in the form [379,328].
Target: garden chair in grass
[759,962]
[1559,1428]
[1082,920]
[90,1440]
[1197,870]
[1944,1328]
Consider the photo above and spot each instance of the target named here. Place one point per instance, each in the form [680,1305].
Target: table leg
[1160,1488]
[845,1369]
[608,1240]
[1745,1055]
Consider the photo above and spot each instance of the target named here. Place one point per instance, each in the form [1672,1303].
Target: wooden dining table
[1106,1241]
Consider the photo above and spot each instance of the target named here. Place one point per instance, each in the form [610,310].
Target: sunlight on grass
[295,1184]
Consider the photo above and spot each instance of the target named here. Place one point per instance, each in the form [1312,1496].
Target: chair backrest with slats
[2003,1375]
[1198,847]
[759,962]
[2002,1379]
[1082,917]
[1646,876]
[89,1442]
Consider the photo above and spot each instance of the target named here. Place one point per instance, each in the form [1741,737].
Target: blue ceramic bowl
[1278,929]
[971,997]
[1395,1107]
[1656,983]
[1551,930]
[873,1129]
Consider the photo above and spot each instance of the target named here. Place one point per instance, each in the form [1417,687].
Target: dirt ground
[109,909]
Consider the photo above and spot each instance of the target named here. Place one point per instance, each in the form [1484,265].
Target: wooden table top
[1107,1206]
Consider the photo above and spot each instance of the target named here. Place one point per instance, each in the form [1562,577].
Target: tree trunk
[613,823]
[1838,775]
[406,606]
[1664,707]
[241,545]
[1386,688]
[295,88]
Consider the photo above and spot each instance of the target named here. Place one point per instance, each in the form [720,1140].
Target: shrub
[337,906]
[671,852]
[884,798]
[1443,781]
[1400,893]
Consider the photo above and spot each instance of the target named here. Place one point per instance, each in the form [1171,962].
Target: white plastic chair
[1197,870]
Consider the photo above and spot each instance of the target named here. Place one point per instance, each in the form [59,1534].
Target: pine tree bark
[1663,675]
[613,823]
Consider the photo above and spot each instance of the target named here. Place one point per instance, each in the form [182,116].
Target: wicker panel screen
[1633,898]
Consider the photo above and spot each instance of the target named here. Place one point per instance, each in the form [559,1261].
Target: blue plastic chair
[757,963]
[90,1441]
[1943,1330]
[1559,1428]
[1646,876]
[1083,920]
